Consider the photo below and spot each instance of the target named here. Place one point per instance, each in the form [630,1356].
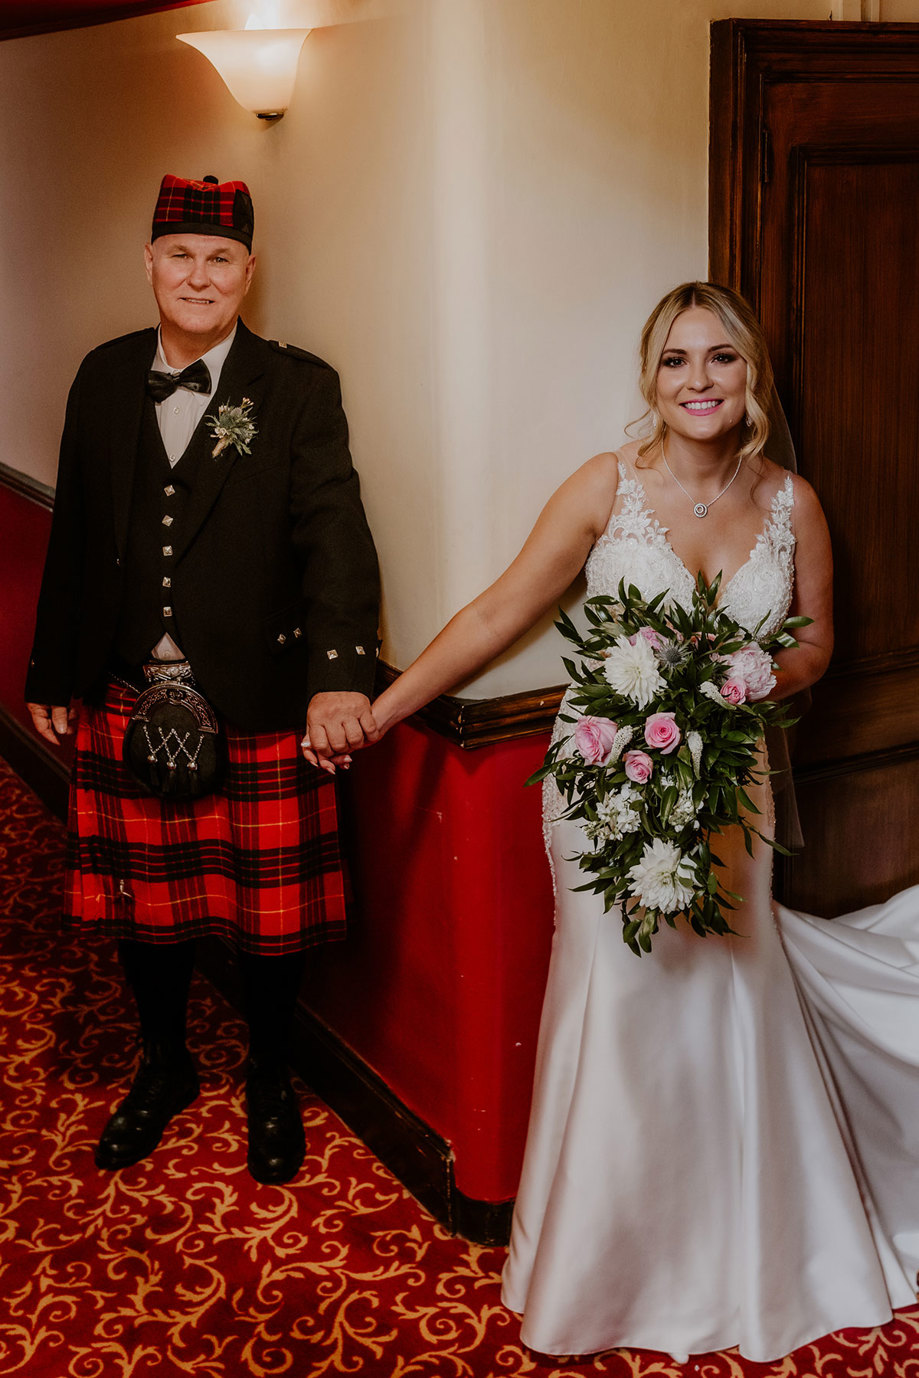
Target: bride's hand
[327,763]
[382,717]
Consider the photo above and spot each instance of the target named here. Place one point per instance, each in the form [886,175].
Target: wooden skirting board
[472,723]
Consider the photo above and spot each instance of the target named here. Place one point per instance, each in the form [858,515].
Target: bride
[722,1143]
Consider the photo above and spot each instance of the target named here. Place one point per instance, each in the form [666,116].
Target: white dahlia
[631,669]
[664,879]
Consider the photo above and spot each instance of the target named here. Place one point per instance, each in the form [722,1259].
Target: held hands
[336,724]
[52,721]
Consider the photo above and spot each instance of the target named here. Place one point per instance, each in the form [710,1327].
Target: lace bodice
[634,547]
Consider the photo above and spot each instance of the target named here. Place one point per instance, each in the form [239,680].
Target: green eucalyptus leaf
[539,775]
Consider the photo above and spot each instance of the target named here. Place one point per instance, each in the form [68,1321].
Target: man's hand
[51,721]
[337,724]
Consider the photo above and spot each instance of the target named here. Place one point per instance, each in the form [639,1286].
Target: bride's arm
[554,553]
[813,597]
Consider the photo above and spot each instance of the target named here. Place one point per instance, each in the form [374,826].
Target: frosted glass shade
[259,66]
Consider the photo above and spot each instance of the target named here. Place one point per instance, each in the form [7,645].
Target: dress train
[722,1147]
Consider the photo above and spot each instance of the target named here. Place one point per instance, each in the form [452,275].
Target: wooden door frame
[746,56]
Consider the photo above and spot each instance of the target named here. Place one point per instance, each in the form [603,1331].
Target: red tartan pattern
[257,863]
[210,206]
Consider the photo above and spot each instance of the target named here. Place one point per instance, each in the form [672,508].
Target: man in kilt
[210,591]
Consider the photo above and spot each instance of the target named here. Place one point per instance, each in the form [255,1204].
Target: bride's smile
[702,379]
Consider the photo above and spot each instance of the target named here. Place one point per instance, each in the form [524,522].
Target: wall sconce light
[259,66]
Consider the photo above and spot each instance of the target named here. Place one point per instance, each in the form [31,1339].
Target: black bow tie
[162,385]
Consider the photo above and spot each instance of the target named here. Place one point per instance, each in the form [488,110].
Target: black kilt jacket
[274,578]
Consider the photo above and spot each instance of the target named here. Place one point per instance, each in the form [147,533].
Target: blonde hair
[746,335]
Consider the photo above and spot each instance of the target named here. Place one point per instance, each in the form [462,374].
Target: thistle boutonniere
[233,426]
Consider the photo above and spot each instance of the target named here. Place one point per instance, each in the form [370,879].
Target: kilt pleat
[257,863]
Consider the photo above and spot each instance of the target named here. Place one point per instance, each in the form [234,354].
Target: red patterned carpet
[182,1265]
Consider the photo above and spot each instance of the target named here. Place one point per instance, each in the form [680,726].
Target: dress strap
[632,514]
[785,496]
[778,529]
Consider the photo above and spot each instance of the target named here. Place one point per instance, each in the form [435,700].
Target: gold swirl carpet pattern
[182,1264]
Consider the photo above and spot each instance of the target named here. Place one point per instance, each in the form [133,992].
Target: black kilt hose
[273,591]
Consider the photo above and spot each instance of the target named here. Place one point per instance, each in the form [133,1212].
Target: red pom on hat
[206,207]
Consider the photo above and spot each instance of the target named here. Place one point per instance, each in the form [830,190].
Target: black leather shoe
[277,1144]
[159,1091]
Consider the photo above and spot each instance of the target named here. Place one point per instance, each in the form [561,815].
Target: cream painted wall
[470,209]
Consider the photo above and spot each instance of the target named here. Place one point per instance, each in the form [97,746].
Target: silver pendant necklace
[700,509]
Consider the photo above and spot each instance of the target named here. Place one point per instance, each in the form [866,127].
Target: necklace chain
[700,509]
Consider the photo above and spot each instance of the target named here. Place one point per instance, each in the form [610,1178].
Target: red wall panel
[24,529]
[440,986]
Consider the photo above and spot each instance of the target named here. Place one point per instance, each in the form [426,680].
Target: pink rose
[649,634]
[593,737]
[638,766]
[662,732]
[734,690]
[754,666]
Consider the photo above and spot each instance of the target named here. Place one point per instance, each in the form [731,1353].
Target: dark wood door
[815,218]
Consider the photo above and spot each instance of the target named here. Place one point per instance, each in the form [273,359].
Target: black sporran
[172,743]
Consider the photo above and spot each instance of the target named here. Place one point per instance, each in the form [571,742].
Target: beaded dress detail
[635,547]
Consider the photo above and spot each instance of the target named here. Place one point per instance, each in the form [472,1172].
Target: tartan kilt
[256,863]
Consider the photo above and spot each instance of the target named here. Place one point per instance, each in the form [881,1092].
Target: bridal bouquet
[670,710]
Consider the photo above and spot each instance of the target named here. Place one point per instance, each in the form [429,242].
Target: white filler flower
[618,811]
[632,670]
[620,742]
[684,810]
[711,691]
[664,878]
[694,742]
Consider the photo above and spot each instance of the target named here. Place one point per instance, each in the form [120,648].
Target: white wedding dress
[724,1140]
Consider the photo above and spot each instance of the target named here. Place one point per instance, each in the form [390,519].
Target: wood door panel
[860,830]
[855,399]
[814,191]
[857,714]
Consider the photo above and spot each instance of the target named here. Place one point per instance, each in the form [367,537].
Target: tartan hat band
[206,207]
